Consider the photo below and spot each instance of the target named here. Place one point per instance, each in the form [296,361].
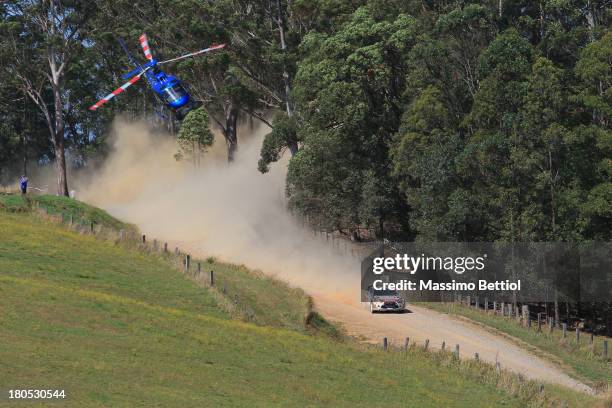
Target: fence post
[155,245]
[443,345]
[564,326]
[591,339]
[469,301]
[551,324]
[176,251]
[199,268]
[165,247]
[494,306]
[212,278]
[476,356]
[486,305]
[406,343]
[477,303]
[426,344]
[385,345]
[577,335]
[91,227]
[503,309]
[457,351]
[187,262]
[605,349]
[539,322]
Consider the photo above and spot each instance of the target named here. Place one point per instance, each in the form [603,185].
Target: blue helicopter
[168,88]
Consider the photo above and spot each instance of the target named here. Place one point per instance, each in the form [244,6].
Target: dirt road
[421,324]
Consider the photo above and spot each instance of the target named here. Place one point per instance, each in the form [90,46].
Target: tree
[44,36]
[194,136]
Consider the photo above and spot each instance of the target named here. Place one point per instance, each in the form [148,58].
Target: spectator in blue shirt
[23,183]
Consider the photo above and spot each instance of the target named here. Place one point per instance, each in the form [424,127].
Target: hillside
[116,327]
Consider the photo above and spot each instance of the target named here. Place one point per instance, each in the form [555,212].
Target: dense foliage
[452,120]
[458,122]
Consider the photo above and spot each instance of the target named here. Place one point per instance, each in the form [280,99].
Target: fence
[541,324]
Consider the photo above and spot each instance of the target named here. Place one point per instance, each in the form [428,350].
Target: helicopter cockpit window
[174,93]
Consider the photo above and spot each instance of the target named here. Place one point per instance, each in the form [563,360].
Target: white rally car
[385,301]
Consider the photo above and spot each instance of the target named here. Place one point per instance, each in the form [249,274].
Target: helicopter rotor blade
[116,92]
[144,43]
[192,54]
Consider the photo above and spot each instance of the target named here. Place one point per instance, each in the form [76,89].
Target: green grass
[585,362]
[63,207]
[119,327]
[256,297]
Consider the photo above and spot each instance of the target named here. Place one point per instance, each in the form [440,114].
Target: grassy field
[120,327]
[581,359]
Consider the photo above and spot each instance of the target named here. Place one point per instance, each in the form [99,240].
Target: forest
[404,119]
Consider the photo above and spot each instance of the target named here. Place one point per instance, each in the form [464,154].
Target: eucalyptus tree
[45,37]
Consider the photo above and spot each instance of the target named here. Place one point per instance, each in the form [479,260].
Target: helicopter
[168,88]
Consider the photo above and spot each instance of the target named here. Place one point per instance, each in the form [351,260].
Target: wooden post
[144,239]
[591,339]
[469,301]
[212,278]
[605,351]
[199,268]
[91,227]
[494,306]
[155,245]
[385,344]
[476,357]
[457,351]
[503,309]
[443,345]
[176,251]
[165,247]
[187,262]
[486,305]
[406,343]
[564,327]
[539,322]
[551,324]
[577,335]
[476,304]
[498,367]
[426,344]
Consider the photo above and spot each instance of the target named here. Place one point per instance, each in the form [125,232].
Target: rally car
[385,301]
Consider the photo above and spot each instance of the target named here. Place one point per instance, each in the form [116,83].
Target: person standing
[23,183]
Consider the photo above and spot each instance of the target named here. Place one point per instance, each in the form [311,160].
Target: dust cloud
[231,212]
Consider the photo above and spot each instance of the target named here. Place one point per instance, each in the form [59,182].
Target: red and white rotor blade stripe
[144,43]
[209,49]
[115,92]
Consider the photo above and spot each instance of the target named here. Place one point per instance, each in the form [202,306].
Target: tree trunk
[557,316]
[58,143]
[280,21]
[229,131]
